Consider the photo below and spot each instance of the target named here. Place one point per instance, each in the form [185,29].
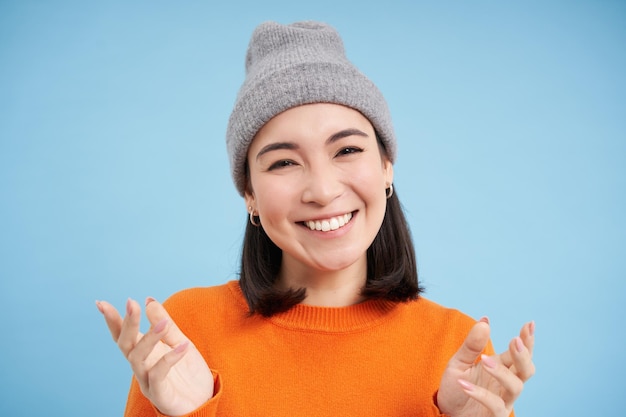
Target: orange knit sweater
[377,358]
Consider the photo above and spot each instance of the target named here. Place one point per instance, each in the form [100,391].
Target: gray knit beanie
[292,65]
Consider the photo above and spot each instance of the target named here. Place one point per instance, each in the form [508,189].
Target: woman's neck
[325,288]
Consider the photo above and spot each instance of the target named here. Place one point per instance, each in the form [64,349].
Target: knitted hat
[292,65]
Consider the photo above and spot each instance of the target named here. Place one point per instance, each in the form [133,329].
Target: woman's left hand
[491,386]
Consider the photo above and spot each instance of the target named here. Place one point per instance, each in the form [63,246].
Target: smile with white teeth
[328,225]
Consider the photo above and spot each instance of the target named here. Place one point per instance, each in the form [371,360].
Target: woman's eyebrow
[276,146]
[345,133]
[293,146]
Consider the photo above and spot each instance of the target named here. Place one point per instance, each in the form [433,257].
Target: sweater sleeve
[139,406]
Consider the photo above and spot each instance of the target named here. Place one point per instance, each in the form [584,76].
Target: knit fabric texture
[377,358]
[292,65]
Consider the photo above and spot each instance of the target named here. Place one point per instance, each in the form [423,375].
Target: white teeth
[326,225]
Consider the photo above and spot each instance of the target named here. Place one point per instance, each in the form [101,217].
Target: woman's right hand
[170,371]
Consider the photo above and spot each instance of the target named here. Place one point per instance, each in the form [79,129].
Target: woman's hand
[491,386]
[170,371]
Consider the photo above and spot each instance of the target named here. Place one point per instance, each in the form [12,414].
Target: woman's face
[317,182]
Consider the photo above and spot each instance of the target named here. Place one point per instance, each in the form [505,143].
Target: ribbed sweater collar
[329,319]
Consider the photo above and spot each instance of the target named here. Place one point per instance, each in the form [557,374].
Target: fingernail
[484,319]
[519,345]
[129,308]
[466,385]
[99,306]
[182,346]
[488,361]
[160,326]
[531,328]
[149,300]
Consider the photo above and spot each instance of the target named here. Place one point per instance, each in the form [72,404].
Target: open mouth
[330,224]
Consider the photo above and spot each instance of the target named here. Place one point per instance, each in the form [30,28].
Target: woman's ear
[248,197]
[388,171]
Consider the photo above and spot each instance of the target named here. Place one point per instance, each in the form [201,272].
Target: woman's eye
[281,164]
[349,150]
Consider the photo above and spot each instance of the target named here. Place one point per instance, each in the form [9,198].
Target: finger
[523,367]
[512,385]
[112,318]
[528,336]
[527,333]
[160,370]
[488,399]
[144,354]
[474,343]
[155,311]
[129,334]
[148,351]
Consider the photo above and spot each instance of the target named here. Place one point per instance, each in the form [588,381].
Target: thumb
[156,313]
[472,347]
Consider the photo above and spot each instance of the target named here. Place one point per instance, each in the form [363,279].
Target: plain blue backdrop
[114,182]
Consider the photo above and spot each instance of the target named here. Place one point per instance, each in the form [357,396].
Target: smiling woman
[326,318]
[331,170]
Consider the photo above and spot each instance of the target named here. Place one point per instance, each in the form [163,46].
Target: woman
[326,318]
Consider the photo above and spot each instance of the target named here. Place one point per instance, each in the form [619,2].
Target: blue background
[511,119]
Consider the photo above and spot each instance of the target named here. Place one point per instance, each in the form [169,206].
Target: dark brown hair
[391,266]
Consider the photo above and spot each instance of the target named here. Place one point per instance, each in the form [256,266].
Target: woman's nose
[322,185]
